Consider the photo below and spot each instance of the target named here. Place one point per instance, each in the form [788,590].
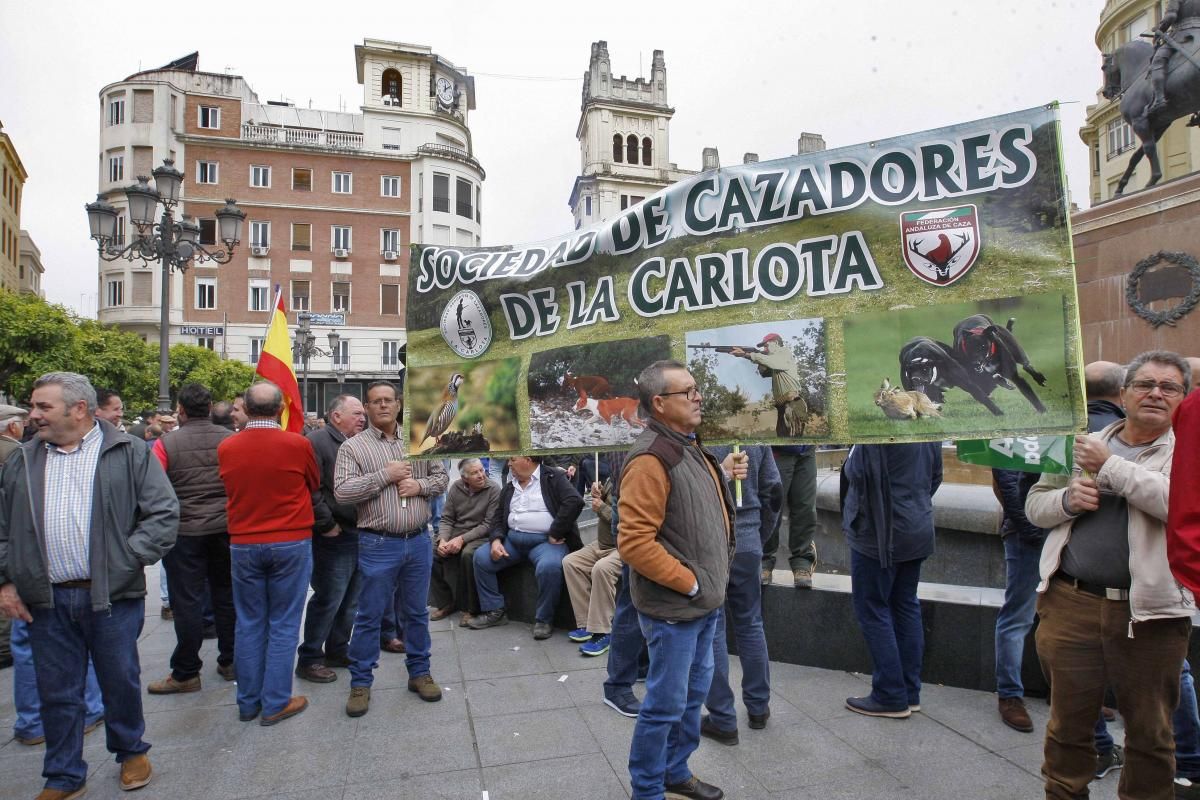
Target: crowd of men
[1107,559]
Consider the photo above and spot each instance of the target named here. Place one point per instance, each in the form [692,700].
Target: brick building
[333,200]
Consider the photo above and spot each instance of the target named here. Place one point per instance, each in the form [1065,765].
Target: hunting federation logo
[941,245]
[465,325]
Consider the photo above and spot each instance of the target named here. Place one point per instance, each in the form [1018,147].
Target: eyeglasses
[1168,388]
[692,393]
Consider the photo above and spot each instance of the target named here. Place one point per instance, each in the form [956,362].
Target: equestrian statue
[1157,83]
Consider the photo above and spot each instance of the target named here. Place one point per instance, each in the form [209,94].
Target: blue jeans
[521,546]
[1187,728]
[626,643]
[62,638]
[392,624]
[1015,618]
[269,585]
[387,565]
[26,703]
[743,605]
[668,726]
[889,614]
[330,616]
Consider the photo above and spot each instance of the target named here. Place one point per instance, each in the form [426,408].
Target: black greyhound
[992,353]
[932,367]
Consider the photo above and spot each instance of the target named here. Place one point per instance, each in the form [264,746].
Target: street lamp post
[175,245]
[305,347]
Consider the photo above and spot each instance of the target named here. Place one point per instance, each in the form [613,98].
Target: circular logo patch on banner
[465,325]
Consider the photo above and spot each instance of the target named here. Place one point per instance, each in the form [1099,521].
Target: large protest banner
[913,289]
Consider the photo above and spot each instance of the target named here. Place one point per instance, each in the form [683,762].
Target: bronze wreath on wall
[1171,315]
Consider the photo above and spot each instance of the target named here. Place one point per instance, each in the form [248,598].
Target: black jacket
[1012,487]
[562,501]
[327,511]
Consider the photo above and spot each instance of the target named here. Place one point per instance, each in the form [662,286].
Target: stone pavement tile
[916,739]
[867,782]
[392,672]
[720,765]
[564,655]
[533,736]
[459,785]
[612,731]
[215,692]
[519,693]
[819,693]
[982,777]
[392,707]
[587,776]
[399,750]
[280,760]
[189,727]
[490,653]
[21,771]
[586,686]
[791,756]
[181,773]
[975,715]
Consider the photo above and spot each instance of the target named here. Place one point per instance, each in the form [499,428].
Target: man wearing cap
[775,361]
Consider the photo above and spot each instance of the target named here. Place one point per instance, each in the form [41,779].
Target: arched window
[631,149]
[647,151]
[618,146]
[392,85]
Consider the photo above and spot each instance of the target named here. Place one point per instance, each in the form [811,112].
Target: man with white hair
[470,511]
[83,510]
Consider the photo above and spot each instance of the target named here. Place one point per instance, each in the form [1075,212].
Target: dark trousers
[62,638]
[1084,645]
[627,644]
[329,620]
[742,613]
[799,476]
[889,614]
[453,580]
[192,561]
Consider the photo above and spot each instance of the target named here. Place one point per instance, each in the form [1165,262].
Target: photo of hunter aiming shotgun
[773,389]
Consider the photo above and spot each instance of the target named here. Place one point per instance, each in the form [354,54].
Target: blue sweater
[762,495]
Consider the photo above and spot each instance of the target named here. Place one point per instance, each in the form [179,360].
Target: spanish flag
[275,365]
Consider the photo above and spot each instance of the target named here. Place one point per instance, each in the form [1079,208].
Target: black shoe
[488,619]
[710,731]
[337,661]
[693,789]
[759,721]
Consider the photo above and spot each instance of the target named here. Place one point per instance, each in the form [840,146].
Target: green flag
[1025,453]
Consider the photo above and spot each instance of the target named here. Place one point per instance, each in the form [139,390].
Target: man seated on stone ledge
[591,574]
[469,515]
[538,509]
[1110,610]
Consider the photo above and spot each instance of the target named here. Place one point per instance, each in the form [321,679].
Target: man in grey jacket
[83,510]
[1110,610]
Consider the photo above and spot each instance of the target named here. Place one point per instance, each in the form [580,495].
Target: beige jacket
[1145,484]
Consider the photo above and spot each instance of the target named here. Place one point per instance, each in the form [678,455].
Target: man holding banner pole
[677,536]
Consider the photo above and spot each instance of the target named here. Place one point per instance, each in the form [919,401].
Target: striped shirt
[359,478]
[70,483]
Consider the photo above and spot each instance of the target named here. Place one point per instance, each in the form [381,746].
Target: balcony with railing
[448,151]
[303,137]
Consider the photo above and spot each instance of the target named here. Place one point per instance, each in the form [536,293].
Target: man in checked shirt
[392,495]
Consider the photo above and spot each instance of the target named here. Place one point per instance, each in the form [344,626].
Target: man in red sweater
[1183,514]
[269,475]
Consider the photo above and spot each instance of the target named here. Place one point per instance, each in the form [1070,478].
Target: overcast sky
[745,76]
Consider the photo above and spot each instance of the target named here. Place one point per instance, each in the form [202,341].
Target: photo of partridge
[443,415]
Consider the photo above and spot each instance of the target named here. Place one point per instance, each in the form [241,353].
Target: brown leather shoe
[464,621]
[359,702]
[169,685]
[61,794]
[441,613]
[393,646]
[1014,715]
[135,772]
[316,673]
[293,707]
[425,688]
[227,672]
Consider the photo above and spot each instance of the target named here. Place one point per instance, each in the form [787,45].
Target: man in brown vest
[201,553]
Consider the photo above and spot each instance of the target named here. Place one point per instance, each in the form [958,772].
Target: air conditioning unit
[340,252]
[389,255]
[259,250]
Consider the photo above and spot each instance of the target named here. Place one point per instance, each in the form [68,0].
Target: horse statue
[1126,75]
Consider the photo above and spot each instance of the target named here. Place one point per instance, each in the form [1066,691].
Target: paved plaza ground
[523,720]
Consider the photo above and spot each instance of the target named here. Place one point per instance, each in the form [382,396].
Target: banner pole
[737,484]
